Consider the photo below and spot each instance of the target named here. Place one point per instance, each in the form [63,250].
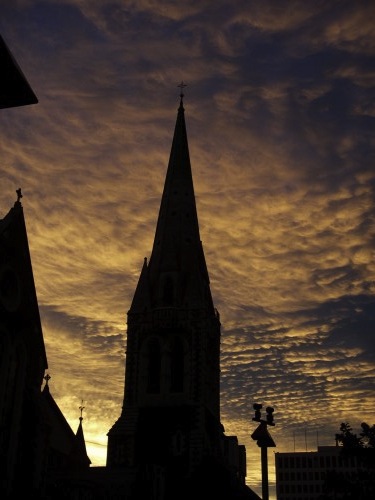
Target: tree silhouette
[358,449]
[368,435]
[347,439]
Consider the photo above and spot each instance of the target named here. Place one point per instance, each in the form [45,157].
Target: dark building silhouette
[331,472]
[168,442]
[169,436]
[22,358]
[36,441]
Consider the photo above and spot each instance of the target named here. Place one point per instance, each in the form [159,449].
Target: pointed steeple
[176,275]
[169,432]
[17,272]
[79,454]
[62,442]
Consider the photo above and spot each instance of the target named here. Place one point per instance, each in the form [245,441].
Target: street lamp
[264,441]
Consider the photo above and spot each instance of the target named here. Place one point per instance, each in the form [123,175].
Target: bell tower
[169,432]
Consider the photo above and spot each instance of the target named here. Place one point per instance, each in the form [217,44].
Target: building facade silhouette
[36,441]
[168,442]
[328,472]
[169,432]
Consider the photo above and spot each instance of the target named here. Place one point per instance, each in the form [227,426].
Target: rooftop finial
[182,85]
[19,194]
[47,377]
[81,409]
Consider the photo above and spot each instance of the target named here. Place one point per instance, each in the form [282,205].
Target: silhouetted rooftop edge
[15,90]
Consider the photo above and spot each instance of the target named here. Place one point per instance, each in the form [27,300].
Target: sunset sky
[280,116]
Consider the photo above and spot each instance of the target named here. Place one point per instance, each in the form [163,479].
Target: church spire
[79,455]
[176,275]
[169,432]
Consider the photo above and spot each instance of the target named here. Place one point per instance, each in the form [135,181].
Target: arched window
[153,366]
[177,365]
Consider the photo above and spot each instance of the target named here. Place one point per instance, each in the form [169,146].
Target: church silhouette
[168,442]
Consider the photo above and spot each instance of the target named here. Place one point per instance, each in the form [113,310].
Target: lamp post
[264,440]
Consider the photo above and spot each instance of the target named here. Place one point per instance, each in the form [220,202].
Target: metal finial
[181,85]
[81,409]
[47,377]
[19,194]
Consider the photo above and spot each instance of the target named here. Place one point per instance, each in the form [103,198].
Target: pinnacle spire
[78,452]
[176,274]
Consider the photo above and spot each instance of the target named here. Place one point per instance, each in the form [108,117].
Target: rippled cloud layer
[281,118]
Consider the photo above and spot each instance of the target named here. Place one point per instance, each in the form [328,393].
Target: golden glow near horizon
[281,137]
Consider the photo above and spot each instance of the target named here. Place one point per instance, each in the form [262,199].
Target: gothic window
[153,366]
[177,365]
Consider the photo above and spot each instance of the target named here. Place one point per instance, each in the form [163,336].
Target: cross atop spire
[47,377]
[19,194]
[81,408]
[181,85]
